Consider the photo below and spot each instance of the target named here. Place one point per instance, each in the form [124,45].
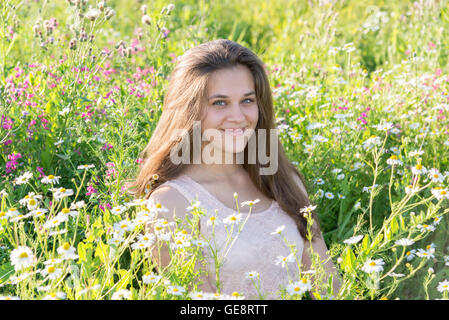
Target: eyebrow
[224,96]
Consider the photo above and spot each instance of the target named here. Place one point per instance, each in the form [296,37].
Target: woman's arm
[319,247]
[176,204]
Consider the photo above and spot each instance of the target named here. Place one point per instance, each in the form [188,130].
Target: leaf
[6,270]
[102,252]
[348,260]
[365,244]
[394,225]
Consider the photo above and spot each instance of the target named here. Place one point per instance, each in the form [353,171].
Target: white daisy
[22,257]
[176,290]
[371,266]
[282,260]
[404,242]
[353,239]
[249,203]
[121,294]
[85,166]
[232,219]
[50,179]
[278,230]
[151,277]
[443,286]
[23,179]
[67,252]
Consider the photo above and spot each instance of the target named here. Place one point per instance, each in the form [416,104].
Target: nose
[235,113]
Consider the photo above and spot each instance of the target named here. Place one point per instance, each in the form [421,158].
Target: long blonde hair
[183,105]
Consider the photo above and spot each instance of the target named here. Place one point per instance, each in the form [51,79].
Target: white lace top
[255,249]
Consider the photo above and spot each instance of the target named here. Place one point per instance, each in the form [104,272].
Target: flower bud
[146,19]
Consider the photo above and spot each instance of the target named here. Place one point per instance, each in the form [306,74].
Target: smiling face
[231,110]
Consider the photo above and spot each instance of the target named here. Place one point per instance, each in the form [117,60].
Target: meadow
[361,95]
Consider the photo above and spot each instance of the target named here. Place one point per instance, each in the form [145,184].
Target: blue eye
[215,103]
[249,100]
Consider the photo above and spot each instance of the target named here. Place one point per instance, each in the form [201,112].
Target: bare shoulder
[170,198]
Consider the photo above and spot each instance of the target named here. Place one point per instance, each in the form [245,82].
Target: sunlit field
[361,96]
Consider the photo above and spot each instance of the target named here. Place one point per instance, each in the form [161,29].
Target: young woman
[220,89]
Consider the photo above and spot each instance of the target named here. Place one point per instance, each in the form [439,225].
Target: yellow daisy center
[66,246]
[23,255]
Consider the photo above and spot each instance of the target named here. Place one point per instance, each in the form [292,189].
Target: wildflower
[278,230]
[53,261]
[146,19]
[121,294]
[340,176]
[425,253]
[236,296]
[195,205]
[31,200]
[299,287]
[124,225]
[85,166]
[22,258]
[117,210]
[197,295]
[55,296]
[67,252]
[425,227]
[50,179]
[384,126]
[176,290]
[440,193]
[393,160]
[409,255]
[52,272]
[252,275]
[24,178]
[60,193]
[319,181]
[12,212]
[77,205]
[371,266]
[353,240]
[396,275]
[212,220]
[404,242]
[435,175]
[7,298]
[232,219]
[307,210]
[371,142]
[199,243]
[156,207]
[419,169]
[436,221]
[320,193]
[87,289]
[329,195]
[55,221]
[411,190]
[415,153]
[151,277]
[281,260]
[92,14]
[443,286]
[249,203]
